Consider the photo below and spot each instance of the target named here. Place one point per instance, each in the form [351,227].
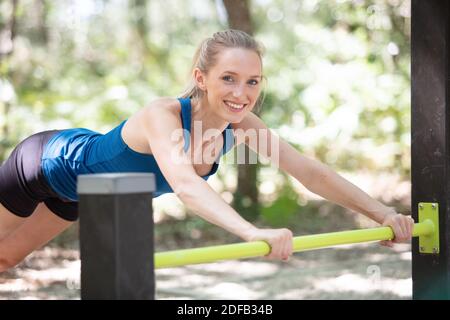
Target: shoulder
[160,117]
[160,111]
[167,105]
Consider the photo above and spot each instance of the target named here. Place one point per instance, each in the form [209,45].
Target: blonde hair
[206,57]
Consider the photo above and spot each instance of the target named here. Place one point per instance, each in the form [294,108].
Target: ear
[200,79]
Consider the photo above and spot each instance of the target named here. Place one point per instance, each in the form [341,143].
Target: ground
[354,272]
[363,271]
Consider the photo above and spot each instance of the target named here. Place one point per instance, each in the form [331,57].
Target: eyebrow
[256,76]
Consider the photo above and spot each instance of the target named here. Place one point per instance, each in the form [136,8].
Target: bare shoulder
[164,104]
[157,111]
[154,121]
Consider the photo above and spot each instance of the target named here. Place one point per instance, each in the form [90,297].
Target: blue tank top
[81,151]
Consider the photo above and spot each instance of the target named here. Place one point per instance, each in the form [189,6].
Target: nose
[238,91]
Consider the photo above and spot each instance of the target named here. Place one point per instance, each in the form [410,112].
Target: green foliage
[339,76]
[338,71]
[247,208]
[281,212]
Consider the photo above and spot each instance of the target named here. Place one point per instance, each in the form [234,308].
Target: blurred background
[338,90]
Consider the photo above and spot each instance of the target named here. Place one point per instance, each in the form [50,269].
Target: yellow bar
[260,248]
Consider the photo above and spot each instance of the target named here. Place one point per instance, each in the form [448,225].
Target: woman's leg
[8,222]
[35,231]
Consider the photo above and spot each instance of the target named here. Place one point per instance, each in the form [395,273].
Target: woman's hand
[280,241]
[401,225]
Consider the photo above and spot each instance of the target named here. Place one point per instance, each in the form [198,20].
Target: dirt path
[364,271]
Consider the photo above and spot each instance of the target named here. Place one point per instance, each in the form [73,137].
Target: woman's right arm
[160,124]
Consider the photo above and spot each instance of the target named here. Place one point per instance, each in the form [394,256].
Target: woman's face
[233,84]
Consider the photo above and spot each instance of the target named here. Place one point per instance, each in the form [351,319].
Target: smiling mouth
[234,106]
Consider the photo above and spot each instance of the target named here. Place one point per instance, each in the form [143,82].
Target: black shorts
[23,185]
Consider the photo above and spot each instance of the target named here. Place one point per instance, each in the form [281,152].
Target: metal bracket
[429,243]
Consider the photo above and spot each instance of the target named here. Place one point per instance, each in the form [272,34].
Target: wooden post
[430,140]
[116,236]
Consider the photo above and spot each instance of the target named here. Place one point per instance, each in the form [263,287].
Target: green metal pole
[243,250]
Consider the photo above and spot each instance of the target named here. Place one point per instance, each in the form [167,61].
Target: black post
[430,140]
[116,236]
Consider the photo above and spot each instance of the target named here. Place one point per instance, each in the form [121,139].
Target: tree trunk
[245,199]
[138,17]
[39,25]
[239,15]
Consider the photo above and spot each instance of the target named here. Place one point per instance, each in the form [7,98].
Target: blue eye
[230,79]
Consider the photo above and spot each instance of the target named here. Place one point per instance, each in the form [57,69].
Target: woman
[38,197]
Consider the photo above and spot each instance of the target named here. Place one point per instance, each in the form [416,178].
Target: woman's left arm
[322,180]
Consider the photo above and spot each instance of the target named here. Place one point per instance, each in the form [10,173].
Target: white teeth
[234,105]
